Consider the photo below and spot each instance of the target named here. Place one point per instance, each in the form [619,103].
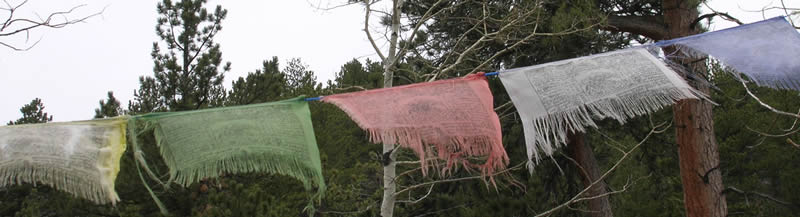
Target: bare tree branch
[578,198]
[348,212]
[52,21]
[725,16]
[762,195]
[319,7]
[648,26]
[517,167]
[427,16]
[440,211]
[486,37]
[419,199]
[744,84]
[20,49]
[367,10]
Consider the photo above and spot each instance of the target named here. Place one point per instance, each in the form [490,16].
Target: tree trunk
[590,171]
[389,154]
[694,130]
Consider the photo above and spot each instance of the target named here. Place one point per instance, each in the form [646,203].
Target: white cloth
[81,158]
[563,96]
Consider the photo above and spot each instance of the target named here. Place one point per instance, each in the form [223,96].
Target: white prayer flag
[80,157]
[555,98]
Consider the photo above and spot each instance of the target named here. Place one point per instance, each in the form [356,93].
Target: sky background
[71,69]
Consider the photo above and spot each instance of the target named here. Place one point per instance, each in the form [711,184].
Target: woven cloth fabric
[450,119]
[555,98]
[275,137]
[81,158]
[765,51]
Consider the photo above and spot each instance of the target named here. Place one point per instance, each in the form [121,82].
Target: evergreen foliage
[108,108]
[758,170]
[263,85]
[33,113]
[188,71]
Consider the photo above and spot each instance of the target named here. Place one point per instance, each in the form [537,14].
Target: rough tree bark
[582,153]
[694,131]
[694,126]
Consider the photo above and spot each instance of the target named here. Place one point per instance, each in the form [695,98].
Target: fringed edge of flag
[100,190]
[550,132]
[410,137]
[454,151]
[276,164]
[60,180]
[309,177]
[138,156]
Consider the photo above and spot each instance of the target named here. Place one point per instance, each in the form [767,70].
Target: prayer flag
[765,51]
[450,119]
[275,137]
[81,158]
[563,96]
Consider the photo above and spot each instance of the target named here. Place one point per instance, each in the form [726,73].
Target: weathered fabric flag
[765,51]
[275,137]
[555,98]
[449,119]
[81,158]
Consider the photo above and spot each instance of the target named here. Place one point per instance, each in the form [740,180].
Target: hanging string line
[320,97]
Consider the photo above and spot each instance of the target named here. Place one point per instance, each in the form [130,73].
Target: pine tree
[108,108]
[264,85]
[354,74]
[33,113]
[300,79]
[188,71]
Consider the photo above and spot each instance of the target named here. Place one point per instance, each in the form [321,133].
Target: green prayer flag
[275,137]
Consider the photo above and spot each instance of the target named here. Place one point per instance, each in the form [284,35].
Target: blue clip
[491,73]
[312,99]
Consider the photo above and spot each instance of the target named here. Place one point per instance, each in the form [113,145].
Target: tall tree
[361,76]
[263,85]
[108,108]
[33,113]
[187,75]
[694,125]
[300,79]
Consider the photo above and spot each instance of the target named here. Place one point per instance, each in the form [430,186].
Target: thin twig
[367,10]
[577,197]
[518,166]
[419,199]
[348,212]
[765,105]
[32,24]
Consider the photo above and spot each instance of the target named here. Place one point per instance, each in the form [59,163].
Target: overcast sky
[72,68]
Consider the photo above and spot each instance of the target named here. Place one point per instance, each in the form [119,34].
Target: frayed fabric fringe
[452,120]
[81,158]
[556,98]
[275,137]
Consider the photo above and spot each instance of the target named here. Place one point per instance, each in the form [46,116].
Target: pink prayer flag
[450,119]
